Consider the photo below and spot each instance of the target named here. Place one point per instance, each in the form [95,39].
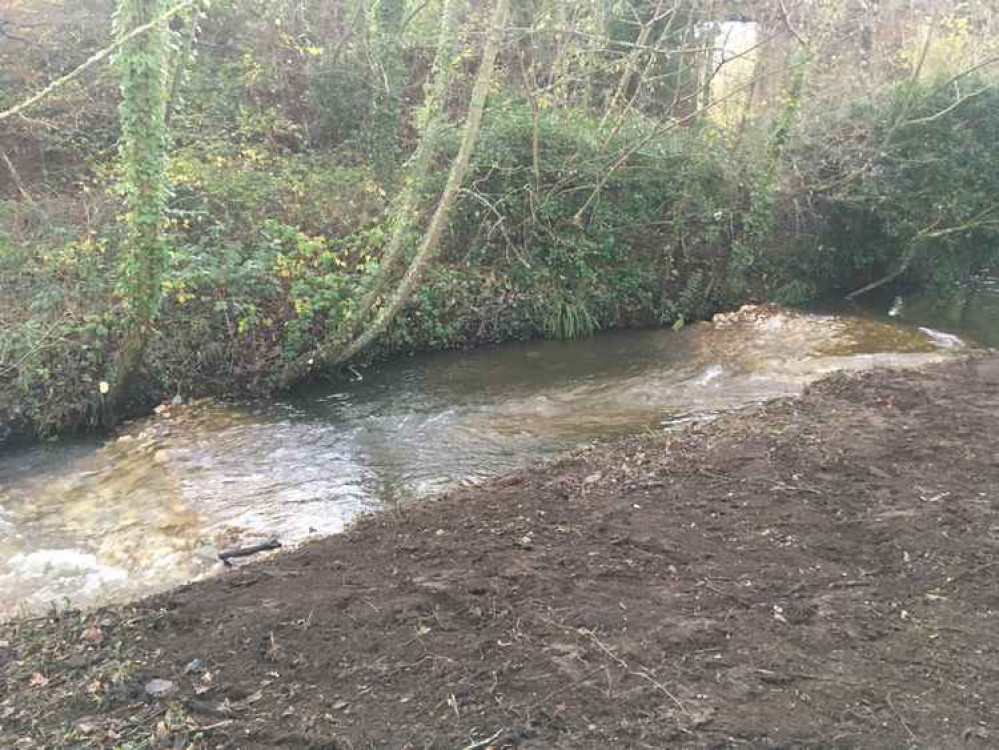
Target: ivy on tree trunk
[142,71]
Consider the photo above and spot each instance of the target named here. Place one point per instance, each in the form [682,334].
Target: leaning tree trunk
[142,65]
[429,244]
[406,213]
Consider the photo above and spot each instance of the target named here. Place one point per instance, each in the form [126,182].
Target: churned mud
[818,572]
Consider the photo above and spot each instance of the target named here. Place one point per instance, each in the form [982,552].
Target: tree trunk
[429,246]
[407,212]
[142,64]
[390,15]
[338,353]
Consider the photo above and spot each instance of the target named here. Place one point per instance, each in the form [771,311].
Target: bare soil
[819,572]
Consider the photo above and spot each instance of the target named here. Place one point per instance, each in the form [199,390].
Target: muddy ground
[813,573]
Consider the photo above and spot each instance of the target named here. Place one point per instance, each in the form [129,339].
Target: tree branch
[655,132]
[910,253]
[7,35]
[94,60]
[950,108]
[414,13]
[786,18]
[15,176]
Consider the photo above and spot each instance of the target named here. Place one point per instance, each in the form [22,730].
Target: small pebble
[196,666]
[88,726]
[159,688]
[92,634]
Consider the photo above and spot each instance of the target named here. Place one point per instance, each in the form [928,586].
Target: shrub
[907,192]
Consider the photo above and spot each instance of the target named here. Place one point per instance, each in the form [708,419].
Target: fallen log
[252,549]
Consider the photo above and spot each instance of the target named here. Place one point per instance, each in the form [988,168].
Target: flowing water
[91,521]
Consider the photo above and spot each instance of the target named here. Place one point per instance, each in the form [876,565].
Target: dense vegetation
[257,191]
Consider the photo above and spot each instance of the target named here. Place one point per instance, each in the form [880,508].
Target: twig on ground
[977,569]
[663,690]
[912,735]
[708,585]
[217,725]
[593,636]
[483,743]
[643,673]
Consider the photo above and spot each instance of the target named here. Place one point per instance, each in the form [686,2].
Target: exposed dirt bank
[813,573]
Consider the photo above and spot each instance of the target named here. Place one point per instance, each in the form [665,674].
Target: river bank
[92,522]
[812,572]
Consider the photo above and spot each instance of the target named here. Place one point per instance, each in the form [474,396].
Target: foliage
[760,219]
[655,222]
[53,344]
[914,193]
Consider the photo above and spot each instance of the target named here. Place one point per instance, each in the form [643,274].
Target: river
[91,521]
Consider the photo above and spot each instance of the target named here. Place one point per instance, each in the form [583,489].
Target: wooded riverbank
[229,199]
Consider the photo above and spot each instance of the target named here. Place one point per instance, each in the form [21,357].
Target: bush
[54,330]
[908,187]
[657,219]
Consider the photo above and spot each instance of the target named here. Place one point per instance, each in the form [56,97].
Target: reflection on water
[88,521]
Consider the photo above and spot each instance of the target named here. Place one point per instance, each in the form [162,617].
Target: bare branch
[653,133]
[15,176]
[786,18]
[950,108]
[4,25]
[414,13]
[976,222]
[95,59]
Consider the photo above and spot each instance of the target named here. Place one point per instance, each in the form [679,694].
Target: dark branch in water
[253,549]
